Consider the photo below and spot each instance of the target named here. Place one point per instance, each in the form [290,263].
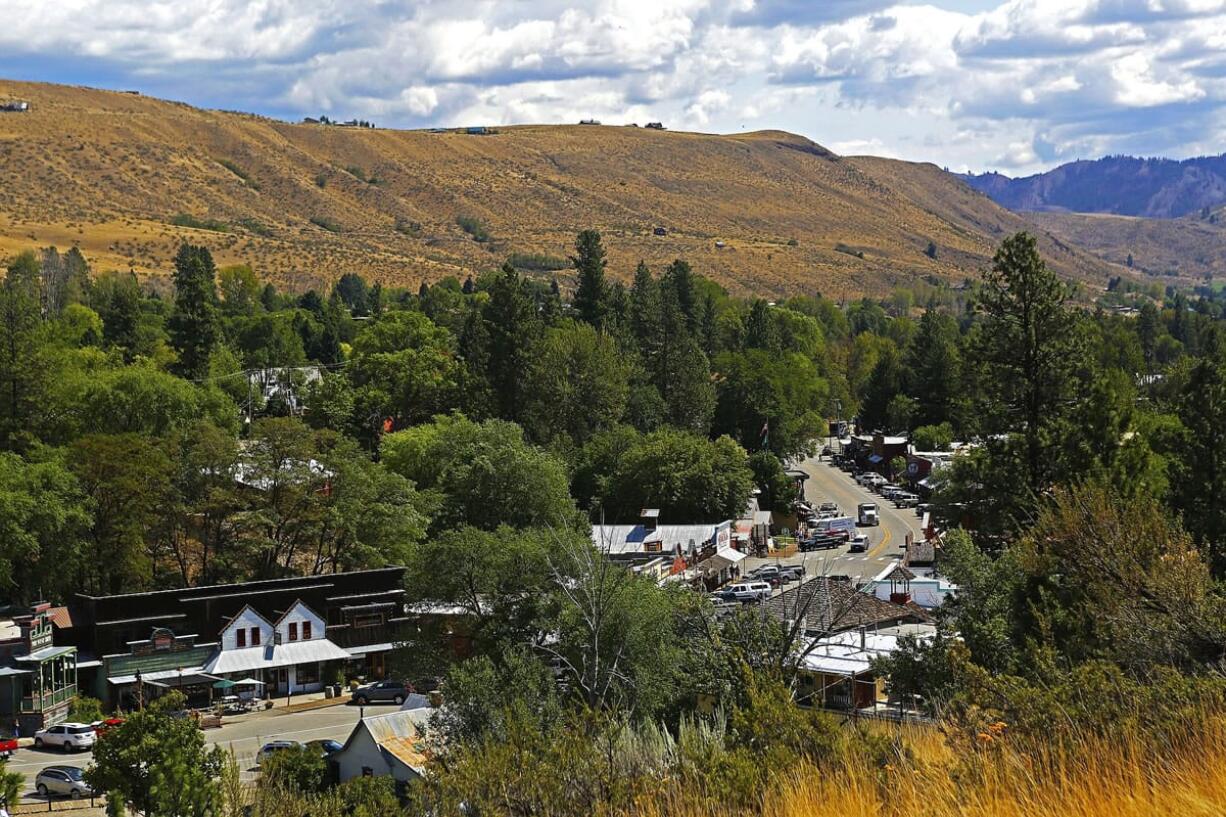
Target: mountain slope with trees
[129,178]
[1119,185]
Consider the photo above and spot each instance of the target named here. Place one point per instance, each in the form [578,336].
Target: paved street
[828,484]
[244,734]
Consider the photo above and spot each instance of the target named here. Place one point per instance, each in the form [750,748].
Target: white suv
[71,737]
[751,591]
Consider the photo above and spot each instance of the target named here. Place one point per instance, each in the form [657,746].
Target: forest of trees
[482,424]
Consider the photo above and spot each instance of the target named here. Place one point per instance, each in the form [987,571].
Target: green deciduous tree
[126,478]
[484,474]
[688,477]
[44,521]
[577,384]
[409,364]
[770,401]
[159,764]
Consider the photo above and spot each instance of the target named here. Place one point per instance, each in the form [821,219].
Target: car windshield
[80,730]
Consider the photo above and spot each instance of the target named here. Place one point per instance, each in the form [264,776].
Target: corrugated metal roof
[632,538]
[406,751]
[272,656]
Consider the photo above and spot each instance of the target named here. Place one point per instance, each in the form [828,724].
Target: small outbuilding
[386,745]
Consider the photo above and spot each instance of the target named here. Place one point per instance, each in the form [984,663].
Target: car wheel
[42,790]
[76,794]
[360,700]
[398,700]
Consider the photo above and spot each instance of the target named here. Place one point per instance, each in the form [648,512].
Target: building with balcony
[293,634]
[38,679]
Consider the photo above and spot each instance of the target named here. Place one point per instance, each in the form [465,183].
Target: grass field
[940,778]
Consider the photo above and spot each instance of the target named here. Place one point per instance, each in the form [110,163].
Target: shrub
[255,227]
[325,223]
[537,262]
[406,227]
[188,220]
[474,228]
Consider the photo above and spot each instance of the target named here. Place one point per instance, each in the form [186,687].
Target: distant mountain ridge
[1115,185]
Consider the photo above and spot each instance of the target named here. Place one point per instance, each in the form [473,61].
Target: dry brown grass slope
[305,203]
[1180,250]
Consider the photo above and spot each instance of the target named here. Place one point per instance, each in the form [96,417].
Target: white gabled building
[289,654]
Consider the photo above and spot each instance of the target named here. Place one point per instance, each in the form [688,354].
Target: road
[828,484]
[243,734]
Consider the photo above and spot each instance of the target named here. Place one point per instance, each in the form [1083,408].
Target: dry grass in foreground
[1089,778]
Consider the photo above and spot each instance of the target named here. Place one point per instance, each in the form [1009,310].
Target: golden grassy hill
[1178,250]
[304,203]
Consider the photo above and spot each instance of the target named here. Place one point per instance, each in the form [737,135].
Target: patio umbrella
[249,682]
[224,683]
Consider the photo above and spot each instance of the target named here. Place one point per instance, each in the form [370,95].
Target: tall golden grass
[937,776]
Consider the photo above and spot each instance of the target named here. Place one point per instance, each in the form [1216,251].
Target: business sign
[723,535]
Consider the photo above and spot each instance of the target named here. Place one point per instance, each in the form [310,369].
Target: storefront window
[308,674]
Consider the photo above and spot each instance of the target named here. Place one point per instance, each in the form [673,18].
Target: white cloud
[1021,85]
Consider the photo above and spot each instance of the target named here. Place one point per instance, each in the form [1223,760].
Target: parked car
[7,747]
[904,499]
[103,727]
[394,691]
[764,573]
[750,591]
[326,747]
[797,572]
[859,544]
[274,746]
[829,507]
[724,597]
[62,780]
[71,737]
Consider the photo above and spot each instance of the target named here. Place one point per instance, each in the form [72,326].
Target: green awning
[224,683]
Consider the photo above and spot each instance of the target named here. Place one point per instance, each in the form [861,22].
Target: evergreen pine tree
[194,324]
[512,324]
[591,296]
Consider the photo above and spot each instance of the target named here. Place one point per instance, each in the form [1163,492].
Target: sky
[1016,86]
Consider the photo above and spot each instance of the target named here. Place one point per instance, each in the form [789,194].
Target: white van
[751,591]
[838,525]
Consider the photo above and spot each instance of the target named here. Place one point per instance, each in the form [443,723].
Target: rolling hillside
[1184,249]
[128,177]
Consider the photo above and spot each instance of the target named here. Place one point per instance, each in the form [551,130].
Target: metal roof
[272,656]
[45,653]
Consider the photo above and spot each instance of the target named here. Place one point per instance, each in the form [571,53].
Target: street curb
[310,705]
